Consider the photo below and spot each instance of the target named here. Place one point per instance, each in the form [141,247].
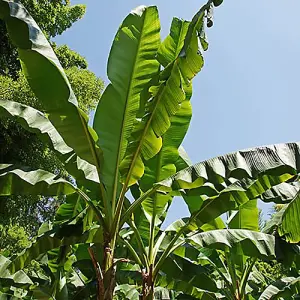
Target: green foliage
[13,239]
[53,17]
[100,241]
[69,58]
[86,86]
[272,270]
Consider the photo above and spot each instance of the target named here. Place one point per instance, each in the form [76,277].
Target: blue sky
[248,91]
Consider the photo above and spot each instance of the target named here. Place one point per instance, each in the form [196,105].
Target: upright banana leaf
[163,100]
[48,81]
[246,217]
[162,165]
[131,65]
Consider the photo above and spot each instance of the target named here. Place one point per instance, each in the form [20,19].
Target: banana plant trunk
[148,285]
[109,276]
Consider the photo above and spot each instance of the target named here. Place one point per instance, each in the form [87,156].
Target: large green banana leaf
[48,81]
[19,181]
[287,219]
[215,186]
[254,244]
[246,217]
[162,165]
[162,101]
[36,122]
[131,65]
[277,163]
[15,279]
[282,289]
[290,225]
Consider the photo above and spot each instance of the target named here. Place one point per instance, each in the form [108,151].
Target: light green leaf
[246,217]
[131,64]
[172,45]
[290,225]
[162,102]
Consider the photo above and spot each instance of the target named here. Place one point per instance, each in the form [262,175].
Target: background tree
[53,17]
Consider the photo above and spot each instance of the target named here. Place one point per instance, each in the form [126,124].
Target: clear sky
[248,91]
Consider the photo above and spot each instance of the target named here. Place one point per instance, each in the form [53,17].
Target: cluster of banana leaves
[108,240]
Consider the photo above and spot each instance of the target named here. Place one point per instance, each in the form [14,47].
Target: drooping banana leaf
[131,64]
[19,181]
[7,278]
[48,81]
[284,192]
[215,186]
[182,269]
[253,244]
[281,289]
[34,121]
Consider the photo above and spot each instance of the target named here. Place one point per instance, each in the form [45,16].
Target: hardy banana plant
[133,146]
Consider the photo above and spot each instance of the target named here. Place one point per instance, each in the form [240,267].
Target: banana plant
[149,85]
[191,268]
[133,146]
